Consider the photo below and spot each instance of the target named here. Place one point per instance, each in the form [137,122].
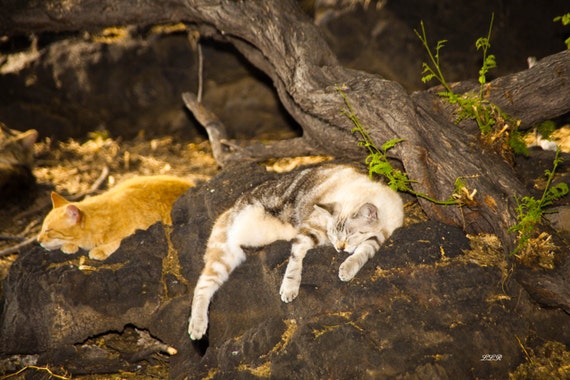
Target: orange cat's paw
[104,251]
[69,248]
[98,254]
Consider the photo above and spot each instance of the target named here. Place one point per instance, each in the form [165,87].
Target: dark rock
[418,308]
[52,300]
[74,85]
[549,287]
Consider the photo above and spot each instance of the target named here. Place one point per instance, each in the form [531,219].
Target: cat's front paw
[69,248]
[197,327]
[347,270]
[98,254]
[288,292]
[103,251]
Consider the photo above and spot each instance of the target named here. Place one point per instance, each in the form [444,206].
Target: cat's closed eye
[51,234]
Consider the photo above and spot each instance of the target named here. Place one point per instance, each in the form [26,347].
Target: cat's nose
[340,246]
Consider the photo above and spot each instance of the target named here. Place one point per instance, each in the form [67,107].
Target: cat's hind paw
[197,327]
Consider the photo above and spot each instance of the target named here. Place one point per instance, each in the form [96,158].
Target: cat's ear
[367,211]
[73,213]
[57,200]
[325,209]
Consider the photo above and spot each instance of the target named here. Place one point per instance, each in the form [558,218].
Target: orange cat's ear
[57,200]
[73,213]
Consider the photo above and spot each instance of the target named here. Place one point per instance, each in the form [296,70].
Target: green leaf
[390,144]
[427,78]
[482,43]
[565,19]
[490,61]
[440,44]
[558,191]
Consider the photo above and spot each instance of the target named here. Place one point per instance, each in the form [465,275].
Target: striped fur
[326,205]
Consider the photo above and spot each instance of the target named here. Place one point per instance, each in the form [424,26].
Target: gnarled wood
[226,151]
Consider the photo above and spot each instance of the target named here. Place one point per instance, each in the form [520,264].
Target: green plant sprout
[428,71]
[565,20]
[530,210]
[494,124]
[489,62]
[378,163]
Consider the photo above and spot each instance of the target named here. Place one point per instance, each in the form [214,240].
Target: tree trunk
[280,40]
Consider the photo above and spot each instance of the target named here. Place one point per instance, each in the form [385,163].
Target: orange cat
[99,223]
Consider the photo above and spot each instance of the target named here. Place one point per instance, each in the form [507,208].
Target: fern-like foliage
[498,129]
[530,210]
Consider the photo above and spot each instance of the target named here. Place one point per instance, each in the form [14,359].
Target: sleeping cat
[99,223]
[326,205]
[16,160]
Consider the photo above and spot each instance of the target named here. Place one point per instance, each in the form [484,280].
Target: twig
[194,40]
[46,369]
[226,151]
[528,357]
[10,237]
[200,72]
[96,185]
[214,127]
[17,247]
[29,227]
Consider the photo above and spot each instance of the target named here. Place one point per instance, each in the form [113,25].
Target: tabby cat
[99,223]
[16,160]
[330,204]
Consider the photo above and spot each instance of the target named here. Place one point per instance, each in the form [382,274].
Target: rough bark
[280,40]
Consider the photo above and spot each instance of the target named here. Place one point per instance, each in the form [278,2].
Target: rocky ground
[433,303]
